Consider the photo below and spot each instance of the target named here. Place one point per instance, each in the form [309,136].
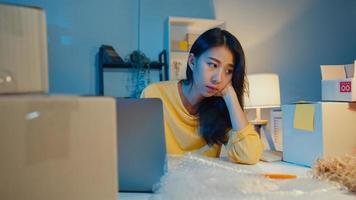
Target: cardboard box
[338,82]
[23,50]
[58,148]
[179,45]
[333,131]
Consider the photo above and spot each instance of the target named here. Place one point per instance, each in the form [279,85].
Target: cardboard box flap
[350,70]
[332,72]
[338,72]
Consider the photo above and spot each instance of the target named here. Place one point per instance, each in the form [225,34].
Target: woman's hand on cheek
[230,96]
[228,90]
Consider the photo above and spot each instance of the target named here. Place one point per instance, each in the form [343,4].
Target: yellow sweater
[182,131]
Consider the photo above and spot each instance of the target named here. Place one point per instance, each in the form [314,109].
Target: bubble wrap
[198,177]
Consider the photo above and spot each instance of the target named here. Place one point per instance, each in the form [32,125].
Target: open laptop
[141,144]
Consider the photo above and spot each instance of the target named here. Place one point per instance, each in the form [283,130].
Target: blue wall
[293,38]
[154,15]
[288,37]
[76,29]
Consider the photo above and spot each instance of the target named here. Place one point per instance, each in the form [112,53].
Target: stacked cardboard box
[179,45]
[51,147]
[23,50]
[313,130]
[318,130]
[338,82]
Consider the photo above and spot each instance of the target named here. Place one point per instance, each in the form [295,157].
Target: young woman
[205,111]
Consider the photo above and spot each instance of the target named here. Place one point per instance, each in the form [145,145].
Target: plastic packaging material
[198,177]
[341,169]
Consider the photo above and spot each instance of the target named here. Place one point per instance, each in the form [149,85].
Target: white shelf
[179,53]
[177,29]
[195,22]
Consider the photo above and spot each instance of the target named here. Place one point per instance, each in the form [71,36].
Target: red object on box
[345,86]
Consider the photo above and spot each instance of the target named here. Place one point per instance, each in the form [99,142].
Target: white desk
[134,196]
[261,167]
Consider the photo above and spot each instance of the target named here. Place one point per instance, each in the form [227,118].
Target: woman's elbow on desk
[246,151]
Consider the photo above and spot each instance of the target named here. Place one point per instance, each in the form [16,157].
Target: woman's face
[212,70]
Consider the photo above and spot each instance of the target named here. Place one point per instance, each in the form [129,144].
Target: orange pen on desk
[279,176]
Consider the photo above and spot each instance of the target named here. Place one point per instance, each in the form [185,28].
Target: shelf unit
[110,61]
[176,29]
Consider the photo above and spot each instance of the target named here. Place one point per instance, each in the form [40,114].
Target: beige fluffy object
[341,169]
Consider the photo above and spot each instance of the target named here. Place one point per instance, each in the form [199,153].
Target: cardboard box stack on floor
[51,147]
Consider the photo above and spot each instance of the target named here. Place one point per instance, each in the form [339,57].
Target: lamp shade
[263,91]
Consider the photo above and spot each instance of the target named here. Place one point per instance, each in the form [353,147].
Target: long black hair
[214,119]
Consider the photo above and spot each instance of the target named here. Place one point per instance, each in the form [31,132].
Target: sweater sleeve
[149,92]
[244,146]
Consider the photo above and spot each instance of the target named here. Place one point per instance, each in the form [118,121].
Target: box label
[345,86]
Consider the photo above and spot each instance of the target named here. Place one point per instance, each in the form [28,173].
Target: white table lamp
[263,93]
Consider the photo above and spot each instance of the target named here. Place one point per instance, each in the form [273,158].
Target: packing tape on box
[352,106]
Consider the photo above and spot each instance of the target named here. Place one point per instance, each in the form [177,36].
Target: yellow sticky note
[304,117]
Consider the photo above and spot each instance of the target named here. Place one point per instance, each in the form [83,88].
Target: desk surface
[262,167]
